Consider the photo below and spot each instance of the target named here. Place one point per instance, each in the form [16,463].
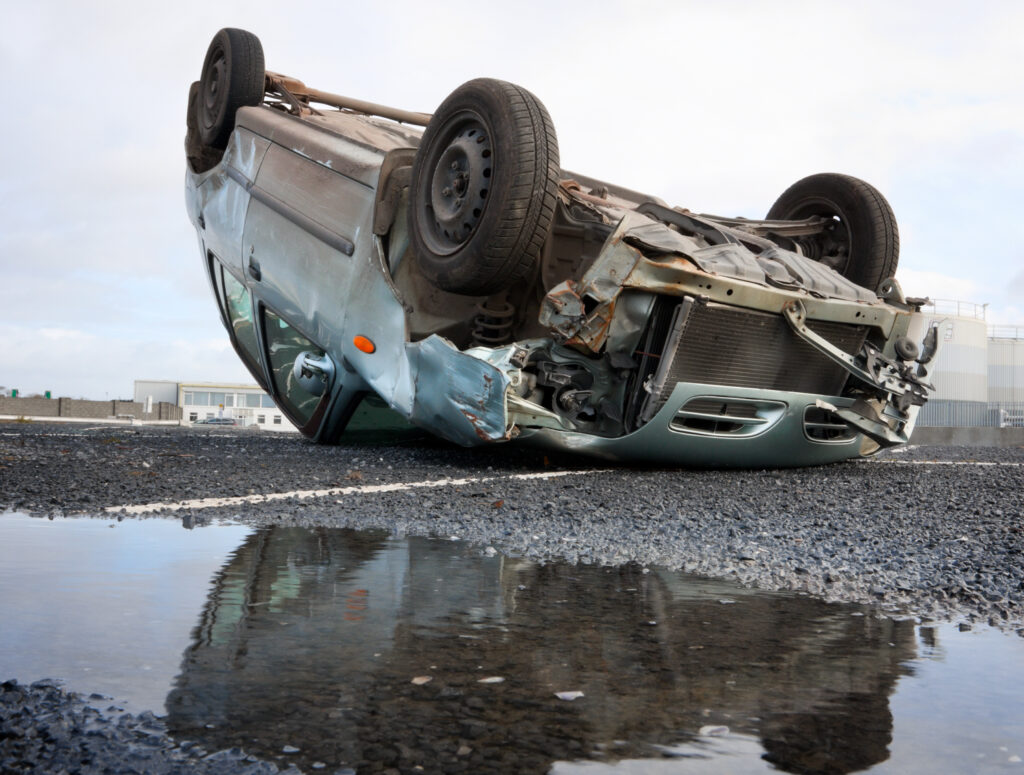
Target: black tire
[484,185]
[200,157]
[233,77]
[862,241]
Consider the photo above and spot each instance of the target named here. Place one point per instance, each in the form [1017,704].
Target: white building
[248,405]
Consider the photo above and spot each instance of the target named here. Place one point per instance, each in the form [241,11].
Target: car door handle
[254,269]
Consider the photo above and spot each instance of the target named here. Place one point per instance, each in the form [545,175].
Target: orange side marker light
[363,344]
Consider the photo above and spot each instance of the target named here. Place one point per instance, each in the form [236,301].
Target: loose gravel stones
[44,729]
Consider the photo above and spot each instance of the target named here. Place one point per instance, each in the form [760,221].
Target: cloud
[77,363]
[936,285]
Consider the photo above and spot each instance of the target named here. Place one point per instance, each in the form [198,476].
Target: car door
[301,231]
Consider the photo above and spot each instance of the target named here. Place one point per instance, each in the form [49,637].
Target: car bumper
[774,429]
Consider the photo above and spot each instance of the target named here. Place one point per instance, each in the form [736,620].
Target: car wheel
[484,185]
[861,240]
[233,77]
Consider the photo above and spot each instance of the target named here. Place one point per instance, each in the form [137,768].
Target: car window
[284,344]
[218,280]
[239,308]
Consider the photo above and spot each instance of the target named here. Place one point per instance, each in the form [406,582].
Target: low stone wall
[77,407]
[969,437]
[30,407]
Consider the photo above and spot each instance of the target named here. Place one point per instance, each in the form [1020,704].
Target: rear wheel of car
[484,186]
[860,240]
[233,77]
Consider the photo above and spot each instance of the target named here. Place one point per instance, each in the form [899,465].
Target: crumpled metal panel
[773,266]
[580,313]
[457,396]
[729,261]
[818,279]
[564,308]
[656,236]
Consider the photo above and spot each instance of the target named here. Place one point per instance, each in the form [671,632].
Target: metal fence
[1006,332]
[961,309]
[968,414]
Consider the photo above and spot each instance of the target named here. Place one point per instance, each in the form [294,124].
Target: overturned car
[461,276]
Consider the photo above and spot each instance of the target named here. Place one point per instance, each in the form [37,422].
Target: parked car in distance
[449,266]
[216,421]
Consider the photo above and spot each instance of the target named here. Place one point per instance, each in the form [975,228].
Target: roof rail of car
[299,96]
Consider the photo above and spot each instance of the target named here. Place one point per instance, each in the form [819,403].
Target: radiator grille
[720,345]
[714,416]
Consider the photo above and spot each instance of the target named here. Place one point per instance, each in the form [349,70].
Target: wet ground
[333,649]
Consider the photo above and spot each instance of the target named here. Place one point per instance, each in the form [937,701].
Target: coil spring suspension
[493,323]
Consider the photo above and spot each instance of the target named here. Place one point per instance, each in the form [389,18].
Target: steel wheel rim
[213,81]
[458,184]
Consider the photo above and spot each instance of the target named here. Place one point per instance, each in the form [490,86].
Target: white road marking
[366,489]
[941,463]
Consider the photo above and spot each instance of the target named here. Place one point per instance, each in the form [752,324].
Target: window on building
[193,416]
[209,415]
[252,400]
[277,419]
[261,419]
[267,402]
[188,399]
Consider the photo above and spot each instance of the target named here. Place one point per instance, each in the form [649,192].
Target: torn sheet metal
[645,254]
[458,396]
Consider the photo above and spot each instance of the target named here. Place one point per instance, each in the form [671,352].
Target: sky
[714,106]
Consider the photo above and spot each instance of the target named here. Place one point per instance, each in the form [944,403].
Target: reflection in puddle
[328,629]
[370,652]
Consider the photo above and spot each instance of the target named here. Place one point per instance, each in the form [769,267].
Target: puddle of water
[358,647]
[107,606]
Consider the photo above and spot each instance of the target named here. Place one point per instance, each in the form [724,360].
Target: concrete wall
[968,437]
[30,407]
[76,407]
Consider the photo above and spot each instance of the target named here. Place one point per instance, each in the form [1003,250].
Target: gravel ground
[934,532]
[44,729]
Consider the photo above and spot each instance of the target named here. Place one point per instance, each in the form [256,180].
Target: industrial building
[248,405]
[979,372]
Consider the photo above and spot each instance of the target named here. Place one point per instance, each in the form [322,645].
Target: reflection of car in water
[485,294]
[317,634]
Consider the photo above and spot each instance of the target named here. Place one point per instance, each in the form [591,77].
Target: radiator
[716,344]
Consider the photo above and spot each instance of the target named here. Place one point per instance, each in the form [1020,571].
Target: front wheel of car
[233,77]
[484,186]
[860,239]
